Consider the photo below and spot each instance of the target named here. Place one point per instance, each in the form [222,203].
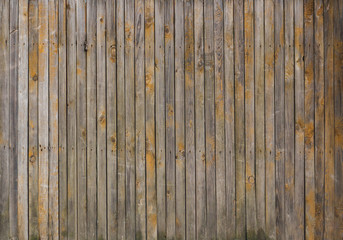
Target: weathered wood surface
[176,119]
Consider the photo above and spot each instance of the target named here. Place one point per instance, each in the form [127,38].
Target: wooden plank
[309,121]
[279,119]
[23,89]
[13,119]
[199,81]
[290,226]
[160,120]
[141,137]
[338,86]
[71,120]
[4,120]
[299,87]
[53,120]
[121,118]
[190,121]
[329,121]
[269,119]
[111,108]
[219,117]
[180,155]
[239,119]
[81,129]
[129,121]
[149,48]
[43,119]
[319,118]
[260,178]
[249,94]
[91,118]
[229,118]
[33,119]
[101,120]
[211,217]
[170,116]
[62,121]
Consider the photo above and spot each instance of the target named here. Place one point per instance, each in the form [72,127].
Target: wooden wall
[171,119]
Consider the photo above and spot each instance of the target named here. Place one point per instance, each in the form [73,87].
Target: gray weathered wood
[190,121]
[23,92]
[270,119]
[180,154]
[62,121]
[260,163]
[160,119]
[279,119]
[111,109]
[229,118]
[81,128]
[101,120]
[239,119]
[91,47]
[299,91]
[170,116]
[53,121]
[43,119]
[4,120]
[211,217]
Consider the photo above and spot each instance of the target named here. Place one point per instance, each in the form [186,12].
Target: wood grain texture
[176,119]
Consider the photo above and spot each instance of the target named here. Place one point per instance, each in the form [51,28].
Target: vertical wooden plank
[151,198]
[319,118]
[81,129]
[180,155]
[338,86]
[111,109]
[259,119]
[22,120]
[299,87]
[160,120]
[121,118]
[129,121]
[279,119]
[329,121]
[190,121]
[13,119]
[43,119]
[53,120]
[91,118]
[200,119]
[71,120]
[219,117]
[309,121]
[229,104]
[101,120]
[62,120]
[170,116]
[249,93]
[239,119]
[33,119]
[140,118]
[290,226]
[4,120]
[270,119]
[211,218]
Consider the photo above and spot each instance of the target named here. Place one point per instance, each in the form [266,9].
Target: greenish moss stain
[259,235]
[161,236]
[139,236]
[34,237]
[101,238]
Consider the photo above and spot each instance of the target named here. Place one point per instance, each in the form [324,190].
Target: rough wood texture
[171,119]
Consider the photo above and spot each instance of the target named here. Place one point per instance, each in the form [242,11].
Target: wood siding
[171,119]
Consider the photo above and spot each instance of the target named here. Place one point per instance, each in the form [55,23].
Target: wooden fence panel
[176,119]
